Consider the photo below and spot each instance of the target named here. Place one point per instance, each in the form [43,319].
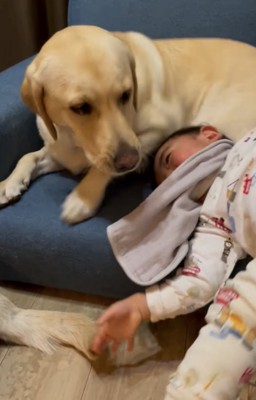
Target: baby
[223,356]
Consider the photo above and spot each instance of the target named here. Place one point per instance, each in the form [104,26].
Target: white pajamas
[224,355]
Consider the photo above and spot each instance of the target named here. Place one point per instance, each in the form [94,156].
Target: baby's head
[180,146]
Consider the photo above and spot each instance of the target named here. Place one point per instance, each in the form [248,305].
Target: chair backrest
[234,19]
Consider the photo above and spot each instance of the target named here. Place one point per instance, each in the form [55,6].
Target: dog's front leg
[84,200]
[29,167]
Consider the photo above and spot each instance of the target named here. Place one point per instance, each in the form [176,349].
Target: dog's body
[106,100]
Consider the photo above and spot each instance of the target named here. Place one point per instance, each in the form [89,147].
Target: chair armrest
[18,132]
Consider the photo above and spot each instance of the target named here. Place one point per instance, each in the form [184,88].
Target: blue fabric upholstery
[35,246]
[17,123]
[170,18]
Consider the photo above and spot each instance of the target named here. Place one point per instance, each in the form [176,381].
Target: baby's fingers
[106,316]
[99,342]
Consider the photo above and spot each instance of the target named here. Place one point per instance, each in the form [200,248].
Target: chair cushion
[170,18]
[36,247]
[18,133]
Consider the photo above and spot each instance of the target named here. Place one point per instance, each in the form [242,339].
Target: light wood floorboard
[28,374]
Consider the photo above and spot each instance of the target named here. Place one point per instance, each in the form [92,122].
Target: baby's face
[178,149]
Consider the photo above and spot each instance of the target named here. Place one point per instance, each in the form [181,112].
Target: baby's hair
[183,131]
[187,129]
[193,130]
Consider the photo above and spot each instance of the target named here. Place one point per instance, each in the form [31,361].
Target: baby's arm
[211,258]
[210,261]
[202,275]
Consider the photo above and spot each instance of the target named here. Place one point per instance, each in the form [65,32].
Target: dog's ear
[135,84]
[32,93]
[122,36]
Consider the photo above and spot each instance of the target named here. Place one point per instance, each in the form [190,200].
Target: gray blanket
[152,240]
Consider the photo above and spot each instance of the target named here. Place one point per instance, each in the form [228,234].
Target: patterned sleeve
[211,259]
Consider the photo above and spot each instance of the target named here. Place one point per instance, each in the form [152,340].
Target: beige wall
[25,25]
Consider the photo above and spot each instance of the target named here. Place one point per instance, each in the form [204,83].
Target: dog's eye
[82,109]
[124,98]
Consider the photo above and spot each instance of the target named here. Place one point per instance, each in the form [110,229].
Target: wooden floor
[27,374]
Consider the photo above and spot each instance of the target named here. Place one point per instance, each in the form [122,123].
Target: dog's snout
[126,158]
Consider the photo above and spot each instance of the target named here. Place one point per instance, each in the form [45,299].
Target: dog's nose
[126,159]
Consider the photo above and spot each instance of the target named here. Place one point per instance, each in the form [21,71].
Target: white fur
[74,209]
[45,330]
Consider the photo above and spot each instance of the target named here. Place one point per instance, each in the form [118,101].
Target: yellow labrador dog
[104,101]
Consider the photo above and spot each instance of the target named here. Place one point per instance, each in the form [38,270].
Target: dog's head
[84,79]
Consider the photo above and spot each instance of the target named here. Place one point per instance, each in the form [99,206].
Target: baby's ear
[210,133]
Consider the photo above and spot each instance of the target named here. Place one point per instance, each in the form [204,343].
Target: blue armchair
[35,246]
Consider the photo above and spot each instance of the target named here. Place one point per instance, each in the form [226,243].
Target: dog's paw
[12,189]
[75,210]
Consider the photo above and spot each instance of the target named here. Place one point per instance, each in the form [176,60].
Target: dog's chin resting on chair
[47,330]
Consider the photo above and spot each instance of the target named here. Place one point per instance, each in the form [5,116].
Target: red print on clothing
[247,184]
[247,375]
[191,270]
[226,295]
[219,223]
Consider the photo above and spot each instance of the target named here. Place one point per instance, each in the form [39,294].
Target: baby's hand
[120,322]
